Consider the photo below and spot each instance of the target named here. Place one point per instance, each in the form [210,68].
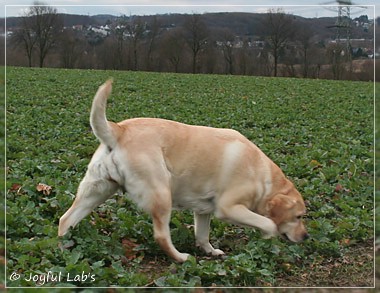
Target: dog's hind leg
[91,193]
[161,212]
[202,230]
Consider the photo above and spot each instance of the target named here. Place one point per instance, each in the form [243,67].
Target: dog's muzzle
[305,237]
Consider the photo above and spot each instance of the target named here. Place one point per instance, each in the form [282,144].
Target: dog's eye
[299,217]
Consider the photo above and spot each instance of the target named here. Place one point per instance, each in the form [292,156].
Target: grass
[2,174]
[319,132]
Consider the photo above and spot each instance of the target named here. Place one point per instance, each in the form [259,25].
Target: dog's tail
[104,130]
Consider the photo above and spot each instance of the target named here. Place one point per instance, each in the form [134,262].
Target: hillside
[242,24]
[219,43]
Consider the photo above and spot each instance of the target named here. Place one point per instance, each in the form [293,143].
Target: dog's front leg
[161,212]
[202,231]
[240,215]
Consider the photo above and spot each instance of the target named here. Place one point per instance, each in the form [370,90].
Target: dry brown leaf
[129,247]
[15,187]
[44,188]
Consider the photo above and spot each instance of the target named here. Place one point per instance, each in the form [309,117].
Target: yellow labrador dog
[164,164]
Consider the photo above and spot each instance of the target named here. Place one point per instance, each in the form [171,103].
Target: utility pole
[343,25]
[342,37]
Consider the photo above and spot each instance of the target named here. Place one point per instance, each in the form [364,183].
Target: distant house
[78,27]
[102,30]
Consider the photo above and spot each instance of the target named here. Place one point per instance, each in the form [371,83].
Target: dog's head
[287,211]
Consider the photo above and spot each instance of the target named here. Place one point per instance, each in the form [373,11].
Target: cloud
[307,8]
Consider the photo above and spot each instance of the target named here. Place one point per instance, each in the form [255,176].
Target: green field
[320,132]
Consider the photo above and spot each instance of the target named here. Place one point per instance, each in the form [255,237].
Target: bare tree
[336,55]
[70,48]
[227,44]
[304,36]
[172,47]
[154,30]
[244,57]
[25,37]
[120,35]
[196,37]
[46,25]
[280,29]
[135,30]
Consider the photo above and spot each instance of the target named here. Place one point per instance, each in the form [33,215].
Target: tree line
[133,43]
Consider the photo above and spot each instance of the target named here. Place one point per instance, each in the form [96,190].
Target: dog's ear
[277,205]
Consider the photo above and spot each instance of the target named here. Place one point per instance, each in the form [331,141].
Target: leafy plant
[319,132]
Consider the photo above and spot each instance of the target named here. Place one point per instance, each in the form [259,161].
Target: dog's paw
[207,248]
[217,252]
[270,231]
[182,257]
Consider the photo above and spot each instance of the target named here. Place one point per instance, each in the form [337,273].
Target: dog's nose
[306,236]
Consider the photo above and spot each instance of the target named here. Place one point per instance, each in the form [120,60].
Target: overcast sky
[305,8]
